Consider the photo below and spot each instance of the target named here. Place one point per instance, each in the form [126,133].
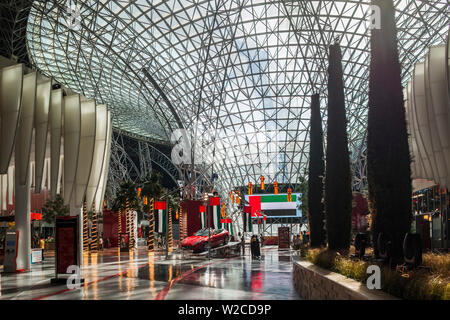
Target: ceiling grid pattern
[238,72]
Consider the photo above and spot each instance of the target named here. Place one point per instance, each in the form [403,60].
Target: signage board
[66,245]
[124,242]
[11,247]
[36,256]
[283,238]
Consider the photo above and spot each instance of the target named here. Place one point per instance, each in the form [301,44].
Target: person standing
[243,244]
[254,246]
[42,245]
[257,248]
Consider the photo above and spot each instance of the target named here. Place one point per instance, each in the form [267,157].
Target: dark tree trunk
[338,193]
[315,176]
[388,158]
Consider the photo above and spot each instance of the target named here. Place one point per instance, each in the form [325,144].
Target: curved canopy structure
[236,72]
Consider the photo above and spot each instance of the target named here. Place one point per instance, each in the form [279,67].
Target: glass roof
[239,71]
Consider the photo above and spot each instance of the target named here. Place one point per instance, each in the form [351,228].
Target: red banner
[214,201]
[247,209]
[201,209]
[160,205]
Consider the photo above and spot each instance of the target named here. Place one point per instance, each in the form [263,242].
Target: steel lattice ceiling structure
[241,71]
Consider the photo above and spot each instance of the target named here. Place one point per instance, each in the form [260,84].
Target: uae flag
[161,207]
[203,216]
[247,219]
[273,204]
[228,225]
[214,202]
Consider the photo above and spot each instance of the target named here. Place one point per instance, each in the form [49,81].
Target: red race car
[199,241]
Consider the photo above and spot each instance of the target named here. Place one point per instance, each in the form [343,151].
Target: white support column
[11,79]
[43,97]
[100,193]
[86,151]
[72,132]
[23,225]
[55,140]
[99,154]
[22,171]
[72,127]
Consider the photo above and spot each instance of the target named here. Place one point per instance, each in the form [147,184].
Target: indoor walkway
[141,276]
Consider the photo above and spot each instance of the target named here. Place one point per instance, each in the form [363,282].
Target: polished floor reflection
[110,275]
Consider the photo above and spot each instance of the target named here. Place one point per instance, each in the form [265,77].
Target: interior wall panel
[447,73]
[43,97]
[55,116]
[421,119]
[4,190]
[438,155]
[423,166]
[100,193]
[72,127]
[417,158]
[60,185]
[32,174]
[1,193]
[99,154]
[85,155]
[440,101]
[25,129]
[10,176]
[410,135]
[46,176]
[11,83]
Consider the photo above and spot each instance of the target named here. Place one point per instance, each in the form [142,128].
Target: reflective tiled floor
[110,275]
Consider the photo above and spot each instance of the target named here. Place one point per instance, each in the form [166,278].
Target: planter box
[314,283]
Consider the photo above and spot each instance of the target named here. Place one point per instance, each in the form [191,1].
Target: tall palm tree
[388,158]
[125,201]
[151,187]
[338,193]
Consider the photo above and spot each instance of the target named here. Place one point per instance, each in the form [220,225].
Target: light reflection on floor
[141,275]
